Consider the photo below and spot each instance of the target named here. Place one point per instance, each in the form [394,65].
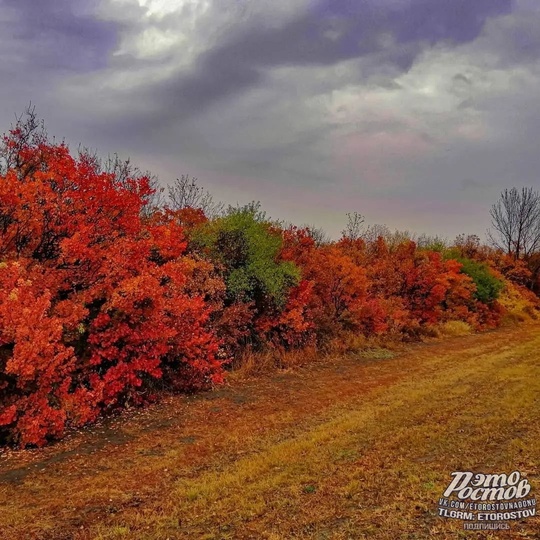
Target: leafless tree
[27,131]
[318,234]
[186,193]
[468,245]
[515,219]
[432,242]
[373,232]
[398,237]
[354,227]
[124,170]
[392,238]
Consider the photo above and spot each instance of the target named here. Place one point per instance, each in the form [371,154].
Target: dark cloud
[54,36]
[330,32]
[386,36]
[461,79]
[381,106]
[516,39]
[337,30]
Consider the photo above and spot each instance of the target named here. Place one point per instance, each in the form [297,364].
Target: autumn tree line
[113,290]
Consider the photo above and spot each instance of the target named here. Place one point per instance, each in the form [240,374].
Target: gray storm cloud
[395,109]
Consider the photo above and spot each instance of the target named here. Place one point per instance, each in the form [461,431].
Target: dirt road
[349,448]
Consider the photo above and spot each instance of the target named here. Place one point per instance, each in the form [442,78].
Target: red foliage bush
[291,327]
[102,296]
[94,302]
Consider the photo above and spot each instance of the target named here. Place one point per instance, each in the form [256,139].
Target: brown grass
[350,448]
[454,329]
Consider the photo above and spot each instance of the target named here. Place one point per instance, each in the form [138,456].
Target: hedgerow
[106,296]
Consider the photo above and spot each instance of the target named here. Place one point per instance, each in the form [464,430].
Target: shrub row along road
[348,448]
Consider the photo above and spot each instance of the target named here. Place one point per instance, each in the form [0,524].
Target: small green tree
[488,287]
[246,245]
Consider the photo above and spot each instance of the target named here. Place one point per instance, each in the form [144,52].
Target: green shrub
[488,287]
[247,246]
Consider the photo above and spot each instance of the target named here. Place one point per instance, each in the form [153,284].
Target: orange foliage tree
[95,302]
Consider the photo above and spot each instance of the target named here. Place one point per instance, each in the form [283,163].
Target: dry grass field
[346,448]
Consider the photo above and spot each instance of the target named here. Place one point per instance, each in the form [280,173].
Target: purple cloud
[56,35]
[402,100]
[331,31]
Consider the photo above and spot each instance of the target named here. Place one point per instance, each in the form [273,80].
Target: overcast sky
[415,113]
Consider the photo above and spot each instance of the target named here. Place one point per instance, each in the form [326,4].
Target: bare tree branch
[27,131]
[186,193]
[318,234]
[355,226]
[515,219]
